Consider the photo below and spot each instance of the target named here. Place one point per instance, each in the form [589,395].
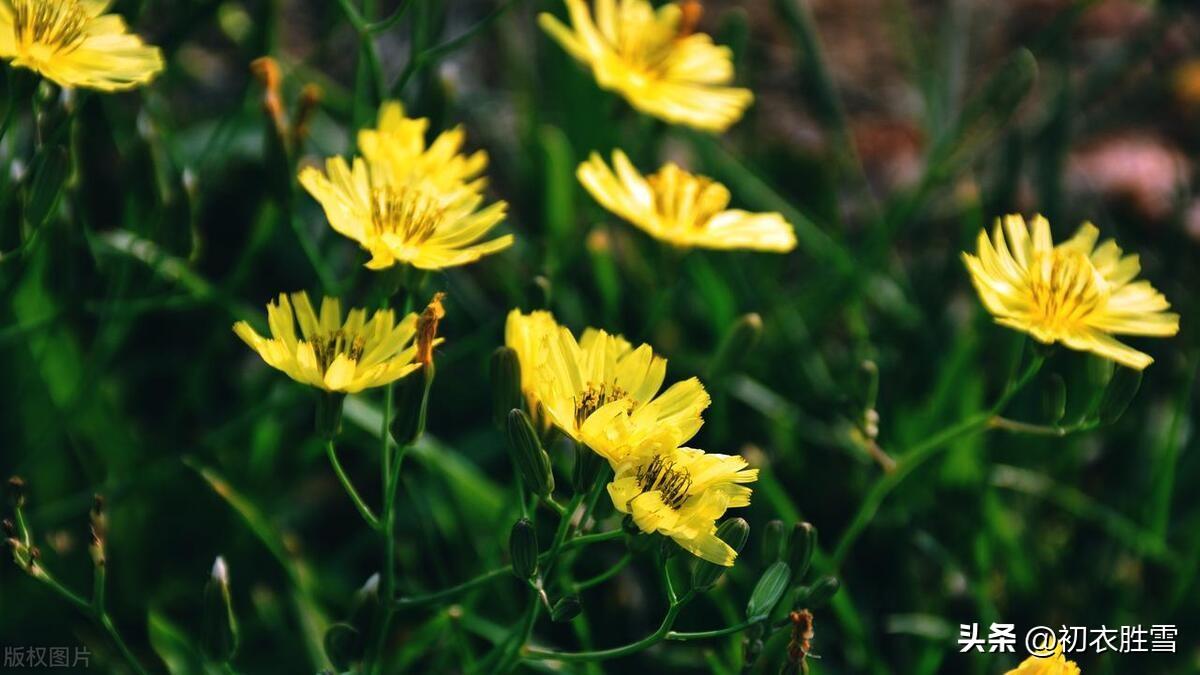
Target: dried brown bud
[310,99]
[266,69]
[427,327]
[691,10]
[802,634]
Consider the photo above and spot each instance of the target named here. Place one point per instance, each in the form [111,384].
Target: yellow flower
[1075,293]
[655,60]
[406,203]
[1053,664]
[336,356]
[680,493]
[682,209]
[600,390]
[74,44]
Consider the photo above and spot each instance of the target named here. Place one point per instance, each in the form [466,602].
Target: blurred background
[887,131]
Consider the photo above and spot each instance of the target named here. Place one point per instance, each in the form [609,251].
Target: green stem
[606,574]
[923,452]
[1056,431]
[92,611]
[664,629]
[115,636]
[361,505]
[719,632]
[431,55]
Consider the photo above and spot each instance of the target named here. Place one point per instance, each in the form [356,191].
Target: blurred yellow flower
[74,44]
[600,390]
[1075,293]
[680,493]
[1054,664]
[406,203]
[679,208]
[332,354]
[655,60]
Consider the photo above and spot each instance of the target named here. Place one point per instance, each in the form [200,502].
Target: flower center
[407,212]
[685,200]
[57,25]
[1065,289]
[673,484]
[593,398]
[327,347]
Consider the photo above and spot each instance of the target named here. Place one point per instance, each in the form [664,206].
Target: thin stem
[719,632]
[606,574]
[922,453]
[498,572]
[432,54]
[96,613]
[385,24]
[115,636]
[361,505]
[664,629]
[1056,431]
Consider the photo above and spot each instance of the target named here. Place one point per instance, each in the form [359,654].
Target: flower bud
[329,414]
[568,607]
[739,341]
[343,645]
[775,541]
[769,590]
[99,531]
[16,492]
[804,543]
[427,328]
[412,405]
[527,454]
[506,384]
[220,624]
[588,465]
[818,594]
[734,532]
[523,548]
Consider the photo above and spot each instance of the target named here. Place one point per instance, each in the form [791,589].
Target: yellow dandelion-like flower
[75,44]
[406,203]
[681,492]
[1054,664]
[655,60]
[1076,293]
[600,390]
[331,354]
[680,208]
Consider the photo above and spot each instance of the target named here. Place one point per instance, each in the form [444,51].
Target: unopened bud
[220,624]
[567,608]
[527,454]
[734,532]
[768,590]
[775,541]
[427,327]
[506,384]
[364,616]
[523,548]
[16,492]
[739,341]
[819,593]
[804,543]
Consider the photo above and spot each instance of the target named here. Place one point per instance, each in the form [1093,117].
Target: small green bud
[523,548]
[527,454]
[1119,394]
[588,465]
[775,541]
[819,593]
[343,645]
[1054,398]
[568,607]
[804,542]
[16,492]
[739,341]
[412,404]
[220,624]
[329,414]
[734,532]
[365,610]
[769,590]
[506,384]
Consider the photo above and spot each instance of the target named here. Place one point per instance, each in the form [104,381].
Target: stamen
[327,347]
[673,484]
[405,211]
[54,23]
[593,398]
